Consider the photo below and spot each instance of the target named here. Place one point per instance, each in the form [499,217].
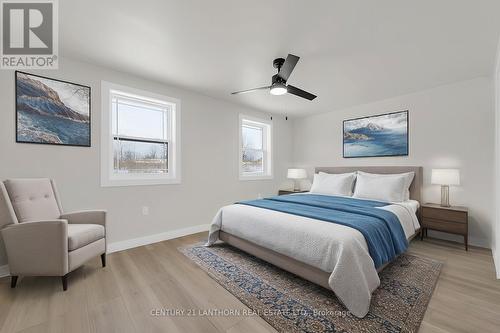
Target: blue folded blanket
[382,230]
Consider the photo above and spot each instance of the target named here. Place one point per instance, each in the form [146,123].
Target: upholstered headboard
[415,187]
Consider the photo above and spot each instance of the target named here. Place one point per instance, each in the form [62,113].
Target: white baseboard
[4,271]
[135,242]
[496,261]
[456,238]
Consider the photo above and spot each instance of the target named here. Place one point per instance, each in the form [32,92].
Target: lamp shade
[445,176]
[297,173]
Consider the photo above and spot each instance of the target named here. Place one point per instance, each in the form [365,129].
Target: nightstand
[284,192]
[453,220]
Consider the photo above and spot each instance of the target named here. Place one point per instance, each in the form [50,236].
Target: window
[255,149]
[140,137]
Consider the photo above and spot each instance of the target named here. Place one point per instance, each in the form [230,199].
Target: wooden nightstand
[453,220]
[284,192]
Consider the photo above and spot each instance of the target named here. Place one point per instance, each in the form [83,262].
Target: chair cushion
[33,199]
[80,235]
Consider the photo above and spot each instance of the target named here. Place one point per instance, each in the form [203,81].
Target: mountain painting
[381,135]
[51,111]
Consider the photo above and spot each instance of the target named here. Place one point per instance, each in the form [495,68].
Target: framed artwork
[50,111]
[376,136]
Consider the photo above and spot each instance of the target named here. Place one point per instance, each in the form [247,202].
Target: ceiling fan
[278,82]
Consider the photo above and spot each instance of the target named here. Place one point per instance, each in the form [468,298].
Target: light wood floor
[120,297]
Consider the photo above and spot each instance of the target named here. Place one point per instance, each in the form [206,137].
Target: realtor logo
[29,34]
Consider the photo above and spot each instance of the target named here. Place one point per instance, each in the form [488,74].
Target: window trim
[267,143]
[108,177]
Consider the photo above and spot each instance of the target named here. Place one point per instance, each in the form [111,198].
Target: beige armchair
[39,238]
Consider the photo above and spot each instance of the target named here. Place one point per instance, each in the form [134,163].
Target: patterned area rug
[292,304]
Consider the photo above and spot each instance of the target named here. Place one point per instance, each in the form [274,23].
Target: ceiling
[352,51]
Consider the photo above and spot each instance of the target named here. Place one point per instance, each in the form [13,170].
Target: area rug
[292,304]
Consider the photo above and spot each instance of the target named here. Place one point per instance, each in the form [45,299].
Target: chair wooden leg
[103,259]
[13,281]
[64,280]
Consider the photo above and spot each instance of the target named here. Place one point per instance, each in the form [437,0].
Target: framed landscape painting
[375,136]
[50,111]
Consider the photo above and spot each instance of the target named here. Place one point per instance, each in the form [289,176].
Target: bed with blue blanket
[337,242]
[381,229]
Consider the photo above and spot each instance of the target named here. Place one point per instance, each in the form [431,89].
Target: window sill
[139,182]
[256,177]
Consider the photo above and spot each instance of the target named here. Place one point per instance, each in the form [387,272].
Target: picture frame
[381,135]
[51,111]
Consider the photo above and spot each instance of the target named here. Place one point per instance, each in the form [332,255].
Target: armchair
[39,238]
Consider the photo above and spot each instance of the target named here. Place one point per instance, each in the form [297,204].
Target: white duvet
[333,248]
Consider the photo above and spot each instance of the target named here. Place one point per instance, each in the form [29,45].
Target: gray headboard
[415,187]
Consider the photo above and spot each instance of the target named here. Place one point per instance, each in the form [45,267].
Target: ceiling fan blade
[288,66]
[250,90]
[299,92]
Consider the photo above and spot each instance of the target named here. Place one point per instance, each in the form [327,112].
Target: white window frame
[108,176]
[267,141]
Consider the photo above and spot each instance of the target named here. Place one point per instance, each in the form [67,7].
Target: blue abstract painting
[52,111]
[380,135]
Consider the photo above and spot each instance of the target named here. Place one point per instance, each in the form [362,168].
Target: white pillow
[409,179]
[385,187]
[333,184]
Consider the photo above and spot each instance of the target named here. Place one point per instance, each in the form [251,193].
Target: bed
[331,255]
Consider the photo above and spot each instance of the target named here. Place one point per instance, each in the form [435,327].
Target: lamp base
[296,186]
[445,196]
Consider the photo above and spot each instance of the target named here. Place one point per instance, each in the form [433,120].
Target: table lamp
[296,174]
[445,178]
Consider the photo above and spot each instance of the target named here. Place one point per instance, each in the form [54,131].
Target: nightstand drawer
[451,227]
[448,215]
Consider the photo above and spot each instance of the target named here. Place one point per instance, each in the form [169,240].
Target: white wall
[451,126]
[496,233]
[209,160]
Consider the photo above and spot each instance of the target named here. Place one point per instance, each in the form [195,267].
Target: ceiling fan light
[278,89]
